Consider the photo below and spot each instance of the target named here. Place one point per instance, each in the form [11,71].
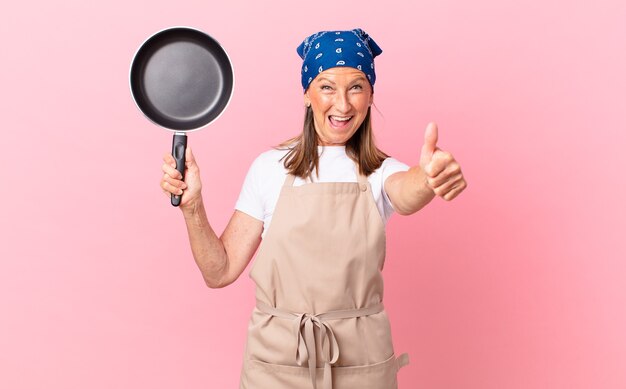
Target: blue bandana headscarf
[328,49]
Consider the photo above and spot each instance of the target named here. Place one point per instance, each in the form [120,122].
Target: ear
[371,99]
[307,100]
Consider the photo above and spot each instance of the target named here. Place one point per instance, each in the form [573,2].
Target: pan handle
[179,145]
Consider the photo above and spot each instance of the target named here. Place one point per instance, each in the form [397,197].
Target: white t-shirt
[266,176]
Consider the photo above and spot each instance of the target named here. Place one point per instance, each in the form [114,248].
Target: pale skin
[339,98]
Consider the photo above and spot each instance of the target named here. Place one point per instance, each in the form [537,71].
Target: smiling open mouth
[339,121]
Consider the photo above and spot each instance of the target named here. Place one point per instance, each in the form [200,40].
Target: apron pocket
[263,375]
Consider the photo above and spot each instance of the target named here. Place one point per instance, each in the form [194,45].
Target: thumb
[190,160]
[430,143]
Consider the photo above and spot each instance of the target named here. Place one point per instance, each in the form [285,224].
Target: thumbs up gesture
[442,171]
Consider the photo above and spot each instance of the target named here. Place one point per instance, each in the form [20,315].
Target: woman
[327,194]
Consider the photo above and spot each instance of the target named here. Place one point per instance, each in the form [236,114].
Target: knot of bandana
[328,49]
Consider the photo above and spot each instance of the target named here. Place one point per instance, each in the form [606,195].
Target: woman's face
[339,98]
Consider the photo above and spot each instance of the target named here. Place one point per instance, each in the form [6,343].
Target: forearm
[207,248]
[413,192]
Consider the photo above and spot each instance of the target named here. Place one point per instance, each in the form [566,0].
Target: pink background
[518,283]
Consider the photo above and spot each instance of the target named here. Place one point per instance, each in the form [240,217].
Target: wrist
[192,208]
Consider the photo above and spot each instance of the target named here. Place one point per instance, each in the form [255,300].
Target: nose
[342,102]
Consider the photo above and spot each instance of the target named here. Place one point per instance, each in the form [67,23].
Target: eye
[326,87]
[357,87]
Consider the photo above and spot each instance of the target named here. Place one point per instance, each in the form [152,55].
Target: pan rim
[181,27]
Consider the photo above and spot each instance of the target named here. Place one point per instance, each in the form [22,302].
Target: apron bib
[319,320]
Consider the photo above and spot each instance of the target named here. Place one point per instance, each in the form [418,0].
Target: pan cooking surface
[181,79]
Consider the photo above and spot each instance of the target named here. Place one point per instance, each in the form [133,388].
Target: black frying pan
[182,80]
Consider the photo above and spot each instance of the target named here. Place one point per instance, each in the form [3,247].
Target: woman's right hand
[190,187]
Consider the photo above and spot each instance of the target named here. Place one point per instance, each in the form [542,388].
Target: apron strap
[289,180]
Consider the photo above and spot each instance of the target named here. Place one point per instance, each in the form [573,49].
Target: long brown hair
[303,157]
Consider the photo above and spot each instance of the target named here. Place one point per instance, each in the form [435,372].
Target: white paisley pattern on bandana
[327,49]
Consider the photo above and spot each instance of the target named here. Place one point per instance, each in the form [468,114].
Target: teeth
[340,119]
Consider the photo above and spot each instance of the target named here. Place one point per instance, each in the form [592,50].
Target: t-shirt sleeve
[389,167]
[250,200]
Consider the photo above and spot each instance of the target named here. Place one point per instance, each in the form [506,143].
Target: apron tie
[304,324]
[306,350]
